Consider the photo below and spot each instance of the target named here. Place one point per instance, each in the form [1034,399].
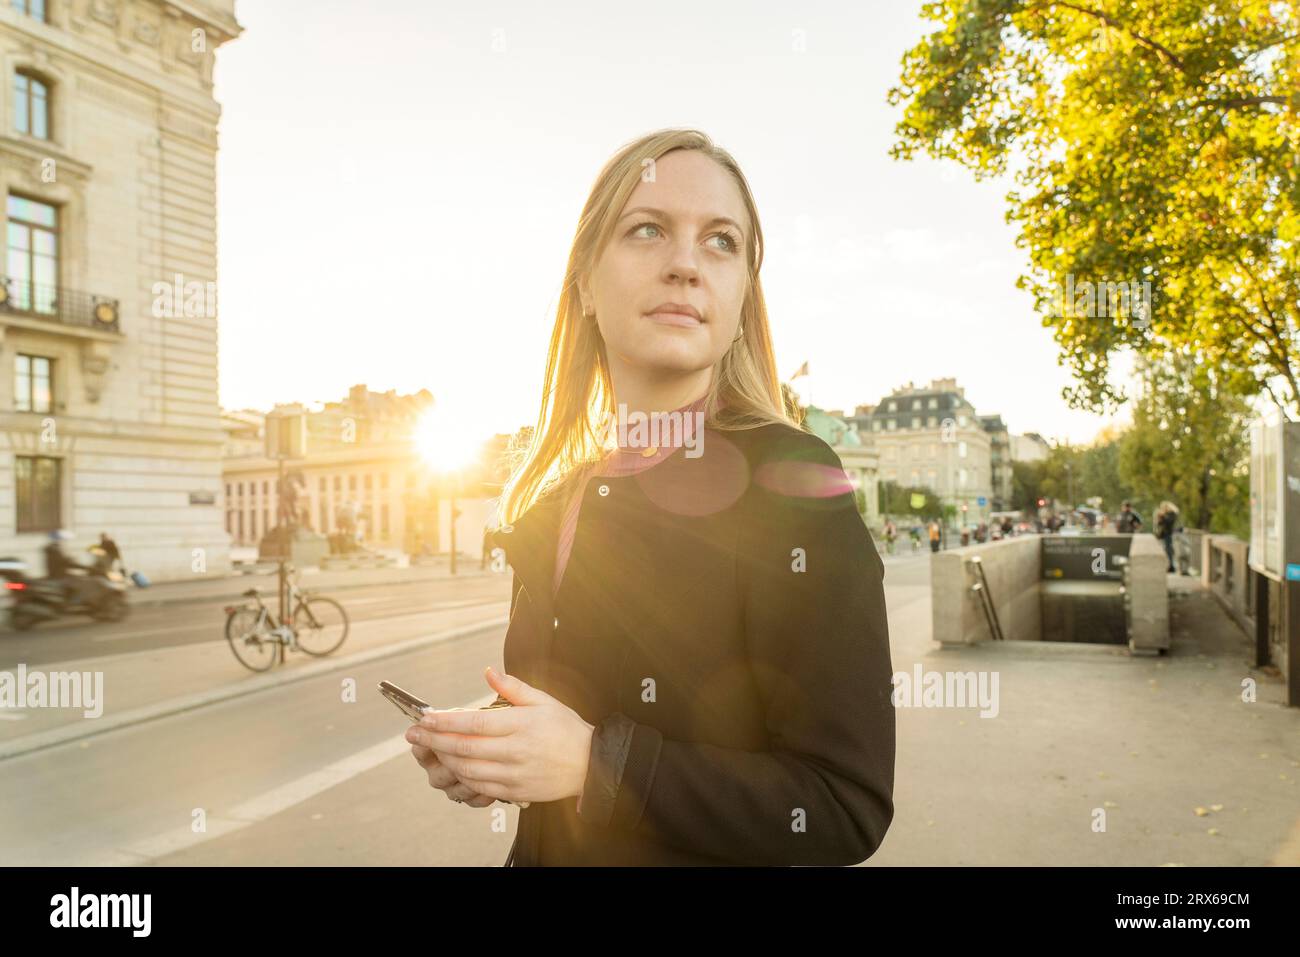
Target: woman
[698,655]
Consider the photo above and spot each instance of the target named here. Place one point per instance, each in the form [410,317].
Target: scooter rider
[58,565]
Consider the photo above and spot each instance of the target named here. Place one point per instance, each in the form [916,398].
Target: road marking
[265,805]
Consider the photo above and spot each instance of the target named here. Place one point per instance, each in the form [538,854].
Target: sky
[399,182]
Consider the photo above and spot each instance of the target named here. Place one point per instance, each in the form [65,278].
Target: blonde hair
[577,392]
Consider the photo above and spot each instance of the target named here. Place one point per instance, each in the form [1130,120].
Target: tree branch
[1110,21]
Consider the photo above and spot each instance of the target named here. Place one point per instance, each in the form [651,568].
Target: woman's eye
[731,244]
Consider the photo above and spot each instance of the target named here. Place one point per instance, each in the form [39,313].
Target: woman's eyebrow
[659,212]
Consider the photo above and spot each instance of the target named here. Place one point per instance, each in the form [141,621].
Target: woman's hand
[534,751]
[441,777]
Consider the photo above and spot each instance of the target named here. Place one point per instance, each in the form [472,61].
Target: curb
[200,699]
[141,602]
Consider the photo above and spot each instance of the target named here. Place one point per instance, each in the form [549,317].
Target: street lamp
[447,446]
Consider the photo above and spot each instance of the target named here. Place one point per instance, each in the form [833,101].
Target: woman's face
[680,243]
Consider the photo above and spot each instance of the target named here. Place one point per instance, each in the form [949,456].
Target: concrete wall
[1225,571]
[1013,568]
[1147,596]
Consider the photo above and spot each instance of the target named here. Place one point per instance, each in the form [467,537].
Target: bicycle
[256,634]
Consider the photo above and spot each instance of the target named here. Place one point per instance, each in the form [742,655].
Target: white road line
[262,806]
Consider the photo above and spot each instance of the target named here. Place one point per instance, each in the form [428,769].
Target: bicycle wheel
[321,623]
[254,648]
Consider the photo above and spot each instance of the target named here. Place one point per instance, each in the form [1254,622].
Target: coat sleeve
[816,633]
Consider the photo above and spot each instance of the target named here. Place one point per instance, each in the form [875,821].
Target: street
[296,774]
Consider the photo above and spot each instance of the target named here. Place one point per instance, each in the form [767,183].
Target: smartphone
[414,708]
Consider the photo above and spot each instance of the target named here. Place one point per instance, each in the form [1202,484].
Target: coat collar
[530,544]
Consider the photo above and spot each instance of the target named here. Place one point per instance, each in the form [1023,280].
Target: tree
[896,500]
[1189,444]
[1156,143]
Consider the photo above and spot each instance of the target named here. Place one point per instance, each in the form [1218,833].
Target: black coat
[742,707]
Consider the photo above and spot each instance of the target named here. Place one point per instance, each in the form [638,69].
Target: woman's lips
[674,319]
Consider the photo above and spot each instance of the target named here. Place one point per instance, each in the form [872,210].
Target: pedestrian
[934,535]
[891,534]
[1166,520]
[1129,521]
[697,645]
[1007,526]
[112,552]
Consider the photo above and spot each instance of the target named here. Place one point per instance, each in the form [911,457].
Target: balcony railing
[69,307]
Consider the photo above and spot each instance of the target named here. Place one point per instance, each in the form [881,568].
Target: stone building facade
[109,418]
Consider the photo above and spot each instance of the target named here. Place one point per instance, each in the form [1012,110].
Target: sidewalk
[1096,757]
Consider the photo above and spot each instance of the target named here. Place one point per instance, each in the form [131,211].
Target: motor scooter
[100,593]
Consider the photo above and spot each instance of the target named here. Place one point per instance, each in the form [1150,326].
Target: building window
[338,483]
[32,8]
[33,391]
[893,407]
[892,425]
[239,489]
[368,481]
[383,522]
[322,485]
[239,517]
[31,105]
[227,493]
[961,420]
[324,519]
[33,240]
[383,480]
[961,449]
[934,403]
[931,422]
[916,403]
[266,483]
[266,520]
[916,421]
[875,425]
[252,525]
[916,477]
[352,483]
[37,481]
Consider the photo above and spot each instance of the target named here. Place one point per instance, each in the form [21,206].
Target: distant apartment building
[931,436]
[1000,461]
[1030,447]
[108,376]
